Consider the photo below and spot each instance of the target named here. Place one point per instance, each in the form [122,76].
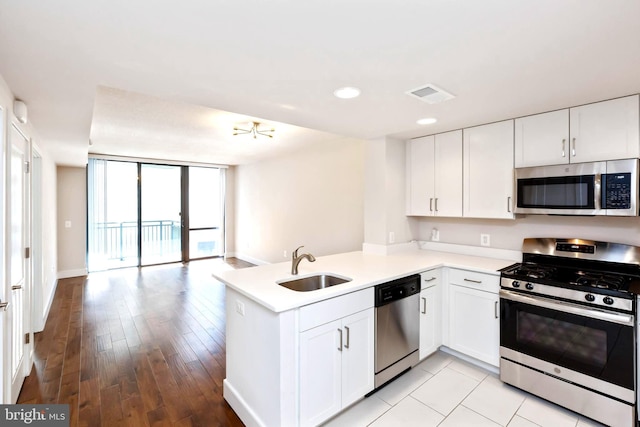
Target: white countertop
[365,270]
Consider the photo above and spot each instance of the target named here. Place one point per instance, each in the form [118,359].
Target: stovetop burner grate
[600,280]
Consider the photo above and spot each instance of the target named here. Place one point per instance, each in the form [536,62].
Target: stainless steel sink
[312,283]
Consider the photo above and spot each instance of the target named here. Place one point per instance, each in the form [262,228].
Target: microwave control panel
[616,192]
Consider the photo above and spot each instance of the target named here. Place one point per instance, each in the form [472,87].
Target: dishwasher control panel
[397,289]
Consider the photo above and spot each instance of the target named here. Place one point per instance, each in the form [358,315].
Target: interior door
[18,273]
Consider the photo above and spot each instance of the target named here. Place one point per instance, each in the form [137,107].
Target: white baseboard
[72,273]
[472,360]
[246,414]
[45,315]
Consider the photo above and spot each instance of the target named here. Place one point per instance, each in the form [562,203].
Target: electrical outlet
[284,253]
[435,235]
[485,240]
[392,237]
[240,308]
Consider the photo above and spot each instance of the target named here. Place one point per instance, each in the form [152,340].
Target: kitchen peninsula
[269,328]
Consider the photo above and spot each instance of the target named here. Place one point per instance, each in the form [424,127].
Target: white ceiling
[163,79]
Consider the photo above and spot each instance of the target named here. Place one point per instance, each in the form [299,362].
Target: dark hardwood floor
[136,347]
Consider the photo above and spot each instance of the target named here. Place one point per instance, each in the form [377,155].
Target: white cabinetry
[430,312]
[488,171]
[607,130]
[434,175]
[474,325]
[336,357]
[542,139]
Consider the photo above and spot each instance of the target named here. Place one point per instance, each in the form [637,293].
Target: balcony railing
[119,240]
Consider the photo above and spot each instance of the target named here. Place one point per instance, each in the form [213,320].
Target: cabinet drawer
[322,312]
[474,280]
[430,278]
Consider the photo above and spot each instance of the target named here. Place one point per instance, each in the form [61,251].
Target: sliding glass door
[161,225]
[206,212]
[143,214]
[112,214]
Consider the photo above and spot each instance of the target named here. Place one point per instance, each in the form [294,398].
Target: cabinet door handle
[509,204]
[495,309]
[430,204]
[4,305]
[573,149]
[340,332]
[472,281]
[347,344]
[430,279]
[436,204]
[563,142]
[16,287]
[424,306]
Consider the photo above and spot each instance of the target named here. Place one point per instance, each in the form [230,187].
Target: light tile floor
[448,392]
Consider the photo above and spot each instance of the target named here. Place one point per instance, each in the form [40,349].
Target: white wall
[72,206]
[508,234]
[230,210]
[385,193]
[49,244]
[313,197]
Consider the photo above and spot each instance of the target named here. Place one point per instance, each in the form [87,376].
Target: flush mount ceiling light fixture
[255,131]
[427,121]
[347,92]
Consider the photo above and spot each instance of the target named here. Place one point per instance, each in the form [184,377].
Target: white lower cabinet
[474,324]
[336,366]
[430,312]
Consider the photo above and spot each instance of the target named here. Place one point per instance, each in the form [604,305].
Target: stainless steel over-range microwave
[597,188]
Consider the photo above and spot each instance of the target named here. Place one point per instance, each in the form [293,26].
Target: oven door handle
[566,307]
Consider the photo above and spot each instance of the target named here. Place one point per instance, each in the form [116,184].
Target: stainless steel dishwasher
[397,327]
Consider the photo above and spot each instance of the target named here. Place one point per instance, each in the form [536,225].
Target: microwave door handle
[597,191]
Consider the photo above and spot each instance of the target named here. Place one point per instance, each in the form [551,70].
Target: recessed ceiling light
[347,92]
[427,121]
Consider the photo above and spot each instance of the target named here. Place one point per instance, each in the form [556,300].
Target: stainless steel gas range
[567,326]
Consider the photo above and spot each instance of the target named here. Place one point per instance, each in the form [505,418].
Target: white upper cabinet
[434,178]
[420,176]
[542,139]
[488,171]
[607,130]
[448,174]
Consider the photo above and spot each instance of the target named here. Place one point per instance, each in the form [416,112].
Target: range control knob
[589,297]
[608,300]
[515,284]
[529,286]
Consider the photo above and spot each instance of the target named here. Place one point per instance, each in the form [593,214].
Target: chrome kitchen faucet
[295,260]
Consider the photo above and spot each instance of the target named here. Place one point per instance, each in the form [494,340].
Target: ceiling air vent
[430,94]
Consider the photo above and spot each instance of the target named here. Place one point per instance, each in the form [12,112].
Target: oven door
[596,343]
